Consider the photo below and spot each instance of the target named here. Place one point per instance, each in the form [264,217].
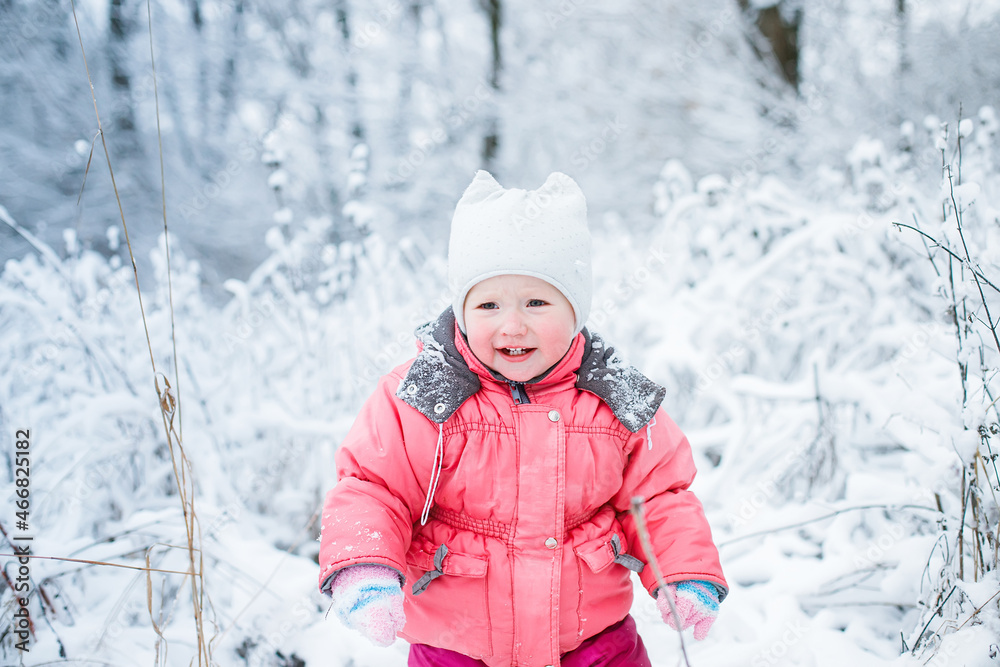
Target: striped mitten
[368,598]
[697,604]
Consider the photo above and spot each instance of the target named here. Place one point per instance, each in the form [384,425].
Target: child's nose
[513,323]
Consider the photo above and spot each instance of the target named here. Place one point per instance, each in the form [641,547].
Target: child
[481,511]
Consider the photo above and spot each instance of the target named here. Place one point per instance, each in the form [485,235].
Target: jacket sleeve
[368,516]
[679,532]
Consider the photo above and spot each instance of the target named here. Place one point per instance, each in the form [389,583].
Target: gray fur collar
[439,380]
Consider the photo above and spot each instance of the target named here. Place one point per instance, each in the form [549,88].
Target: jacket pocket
[448,599]
[604,581]
[602,552]
[443,562]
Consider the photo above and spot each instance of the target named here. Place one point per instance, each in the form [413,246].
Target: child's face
[519,326]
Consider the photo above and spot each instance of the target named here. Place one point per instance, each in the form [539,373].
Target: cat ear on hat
[483,186]
[566,192]
[558,182]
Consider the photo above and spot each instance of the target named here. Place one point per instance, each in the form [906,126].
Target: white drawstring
[649,434]
[435,474]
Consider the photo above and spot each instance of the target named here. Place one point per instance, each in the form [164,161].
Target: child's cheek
[556,338]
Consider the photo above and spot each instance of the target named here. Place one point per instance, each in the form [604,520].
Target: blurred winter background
[795,212]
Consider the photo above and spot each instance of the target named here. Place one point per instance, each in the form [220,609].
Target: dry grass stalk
[168,401]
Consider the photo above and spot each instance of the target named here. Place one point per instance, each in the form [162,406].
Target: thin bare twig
[824,517]
[93,562]
[271,576]
[166,237]
[638,511]
[978,609]
[937,244]
[937,612]
[40,246]
[968,260]
[166,399]
[114,184]
[923,239]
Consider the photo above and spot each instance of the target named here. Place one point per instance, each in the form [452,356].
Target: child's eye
[489,305]
[536,302]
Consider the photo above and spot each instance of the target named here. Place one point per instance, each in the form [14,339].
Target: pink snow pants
[616,646]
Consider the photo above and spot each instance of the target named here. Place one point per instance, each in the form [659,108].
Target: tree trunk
[229,82]
[902,22]
[345,227]
[409,42]
[196,19]
[781,30]
[123,114]
[902,42]
[491,138]
[357,126]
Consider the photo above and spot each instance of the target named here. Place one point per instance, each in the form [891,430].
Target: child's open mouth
[515,352]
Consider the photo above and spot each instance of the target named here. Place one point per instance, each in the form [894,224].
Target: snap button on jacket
[531,502]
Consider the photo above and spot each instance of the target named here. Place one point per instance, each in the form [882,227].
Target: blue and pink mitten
[368,598]
[697,604]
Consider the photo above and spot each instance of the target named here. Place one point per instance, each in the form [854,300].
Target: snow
[830,366]
[804,360]
[966,193]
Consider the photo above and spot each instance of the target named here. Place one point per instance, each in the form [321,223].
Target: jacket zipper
[518,392]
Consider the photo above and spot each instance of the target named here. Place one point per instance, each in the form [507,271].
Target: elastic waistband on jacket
[498,529]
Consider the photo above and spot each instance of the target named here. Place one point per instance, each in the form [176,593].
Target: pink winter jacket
[527,544]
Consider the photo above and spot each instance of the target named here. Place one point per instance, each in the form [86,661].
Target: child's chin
[516,373]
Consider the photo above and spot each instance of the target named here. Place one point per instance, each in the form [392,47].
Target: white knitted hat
[541,233]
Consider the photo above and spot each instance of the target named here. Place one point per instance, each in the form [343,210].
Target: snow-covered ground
[810,349]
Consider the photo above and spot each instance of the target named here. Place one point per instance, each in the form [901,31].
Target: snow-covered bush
[811,358]
[268,384]
[961,237]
